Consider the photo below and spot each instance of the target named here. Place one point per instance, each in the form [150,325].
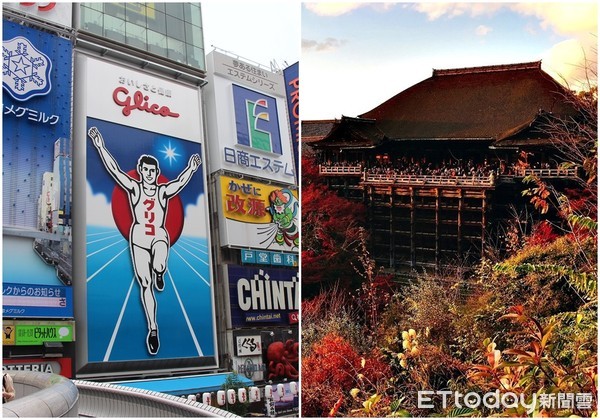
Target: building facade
[440,165]
[143,214]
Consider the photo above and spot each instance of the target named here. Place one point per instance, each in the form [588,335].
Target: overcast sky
[260,31]
[357,55]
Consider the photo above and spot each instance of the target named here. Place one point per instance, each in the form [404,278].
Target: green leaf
[462,412]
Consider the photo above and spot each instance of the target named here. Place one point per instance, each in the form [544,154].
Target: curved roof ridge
[533,65]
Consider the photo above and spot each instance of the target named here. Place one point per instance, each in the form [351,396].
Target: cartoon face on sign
[284,211]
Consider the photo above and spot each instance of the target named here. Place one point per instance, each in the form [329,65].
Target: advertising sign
[247,120]
[261,296]
[292,90]
[38,334]
[149,277]
[248,345]
[258,215]
[36,301]
[36,170]
[252,367]
[59,13]
[58,366]
[250,256]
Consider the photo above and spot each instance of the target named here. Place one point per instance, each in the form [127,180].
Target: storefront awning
[185,385]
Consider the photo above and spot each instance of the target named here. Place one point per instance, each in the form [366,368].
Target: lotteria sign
[58,366]
[263,296]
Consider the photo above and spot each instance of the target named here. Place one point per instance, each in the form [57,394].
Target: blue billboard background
[36,113]
[117,327]
[30,127]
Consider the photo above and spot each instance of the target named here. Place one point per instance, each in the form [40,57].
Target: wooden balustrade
[340,170]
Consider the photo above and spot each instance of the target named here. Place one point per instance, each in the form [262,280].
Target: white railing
[109,400]
[429,179]
[340,169]
[548,173]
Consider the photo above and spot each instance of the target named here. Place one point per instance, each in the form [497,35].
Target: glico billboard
[36,173]
[148,260]
[247,120]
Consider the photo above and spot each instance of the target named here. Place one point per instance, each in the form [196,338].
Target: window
[172,30]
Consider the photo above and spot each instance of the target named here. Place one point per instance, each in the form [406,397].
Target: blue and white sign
[265,296]
[36,301]
[247,120]
[25,69]
[37,71]
[250,256]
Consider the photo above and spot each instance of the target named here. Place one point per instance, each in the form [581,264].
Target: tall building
[163,286]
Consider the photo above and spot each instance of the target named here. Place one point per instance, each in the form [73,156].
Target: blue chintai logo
[25,69]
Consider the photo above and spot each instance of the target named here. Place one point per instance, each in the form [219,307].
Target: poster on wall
[149,278]
[258,215]
[36,173]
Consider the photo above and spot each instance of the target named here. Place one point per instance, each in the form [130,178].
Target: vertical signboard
[36,173]
[246,120]
[258,215]
[292,90]
[149,281]
[263,296]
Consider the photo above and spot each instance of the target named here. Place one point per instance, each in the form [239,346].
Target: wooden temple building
[440,165]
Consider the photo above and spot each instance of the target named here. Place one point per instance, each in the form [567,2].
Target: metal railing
[108,400]
[41,395]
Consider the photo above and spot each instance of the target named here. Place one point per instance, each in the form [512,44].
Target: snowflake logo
[25,69]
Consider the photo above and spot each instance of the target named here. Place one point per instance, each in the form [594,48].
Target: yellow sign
[253,202]
[8,333]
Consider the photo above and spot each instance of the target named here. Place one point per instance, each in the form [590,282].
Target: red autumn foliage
[332,369]
[329,225]
[329,372]
[542,234]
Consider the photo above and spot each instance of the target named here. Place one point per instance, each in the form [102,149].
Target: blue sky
[357,55]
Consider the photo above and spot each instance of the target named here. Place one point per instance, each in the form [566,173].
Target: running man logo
[256,120]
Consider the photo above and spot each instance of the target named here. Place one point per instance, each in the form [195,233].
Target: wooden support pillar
[392,236]
[459,223]
[413,255]
[483,220]
[437,229]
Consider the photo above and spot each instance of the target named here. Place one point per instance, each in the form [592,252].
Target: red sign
[293,316]
[58,366]
[139,102]
[44,7]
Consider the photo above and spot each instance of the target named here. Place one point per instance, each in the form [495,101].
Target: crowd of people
[445,167]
